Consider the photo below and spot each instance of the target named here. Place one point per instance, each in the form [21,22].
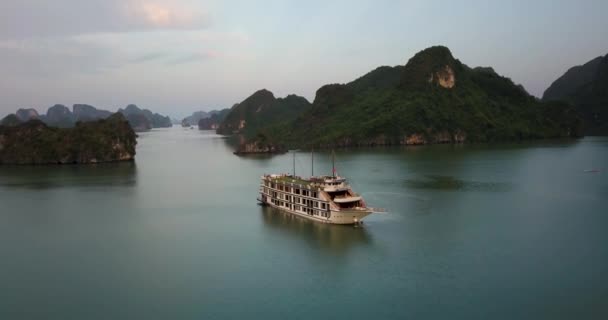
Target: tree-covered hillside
[585,87]
[260,110]
[434,98]
[34,142]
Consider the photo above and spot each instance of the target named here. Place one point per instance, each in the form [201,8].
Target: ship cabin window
[288,198]
[297,191]
[314,194]
[287,189]
[323,206]
[272,185]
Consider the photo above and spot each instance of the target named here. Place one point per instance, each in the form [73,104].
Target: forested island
[434,98]
[35,143]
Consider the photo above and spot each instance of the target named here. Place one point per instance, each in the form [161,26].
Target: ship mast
[312,162]
[333,163]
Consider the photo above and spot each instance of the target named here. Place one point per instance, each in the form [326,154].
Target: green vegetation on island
[33,142]
[434,98]
[260,110]
[585,87]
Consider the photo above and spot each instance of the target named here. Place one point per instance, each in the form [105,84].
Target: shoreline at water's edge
[65,164]
[340,146]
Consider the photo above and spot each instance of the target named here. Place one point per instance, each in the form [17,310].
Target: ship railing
[353,195]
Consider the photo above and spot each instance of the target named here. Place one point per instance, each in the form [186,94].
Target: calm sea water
[501,232]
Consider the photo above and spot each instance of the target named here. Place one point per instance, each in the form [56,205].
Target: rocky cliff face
[34,142]
[444,77]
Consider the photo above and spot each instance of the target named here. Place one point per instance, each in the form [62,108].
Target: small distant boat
[592,170]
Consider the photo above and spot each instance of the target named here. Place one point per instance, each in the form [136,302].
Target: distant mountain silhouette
[213,122]
[61,116]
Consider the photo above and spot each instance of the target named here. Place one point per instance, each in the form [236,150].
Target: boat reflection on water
[115,174]
[336,238]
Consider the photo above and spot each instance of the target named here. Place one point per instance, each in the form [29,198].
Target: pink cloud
[165,14]
[42,18]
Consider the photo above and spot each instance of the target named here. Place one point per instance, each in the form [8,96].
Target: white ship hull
[336,217]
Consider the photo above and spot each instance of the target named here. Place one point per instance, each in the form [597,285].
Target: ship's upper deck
[287,178]
[327,183]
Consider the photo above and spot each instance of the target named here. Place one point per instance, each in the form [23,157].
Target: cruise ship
[327,199]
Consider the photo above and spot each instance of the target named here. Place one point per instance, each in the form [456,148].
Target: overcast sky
[177,56]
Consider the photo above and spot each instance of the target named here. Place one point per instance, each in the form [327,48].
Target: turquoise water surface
[508,231]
